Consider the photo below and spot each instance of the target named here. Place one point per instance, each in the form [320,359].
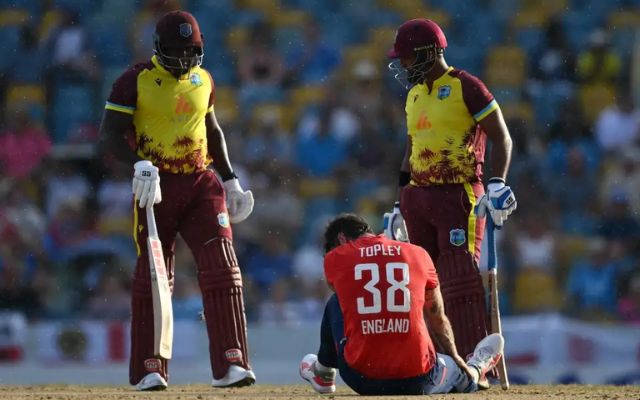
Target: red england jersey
[380,284]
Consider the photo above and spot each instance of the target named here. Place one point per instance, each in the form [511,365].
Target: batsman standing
[450,115]
[160,118]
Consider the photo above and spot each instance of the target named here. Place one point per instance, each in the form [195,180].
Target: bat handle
[151,222]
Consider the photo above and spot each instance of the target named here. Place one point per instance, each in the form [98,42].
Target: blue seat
[530,39]
[470,58]
[73,105]
[8,45]
[34,7]
[111,45]
[578,25]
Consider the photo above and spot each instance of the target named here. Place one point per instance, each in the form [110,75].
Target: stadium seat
[535,291]
[594,98]
[506,66]
[30,94]
[302,97]
[73,106]
[13,16]
[226,105]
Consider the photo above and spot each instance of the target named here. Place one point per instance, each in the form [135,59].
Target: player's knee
[218,265]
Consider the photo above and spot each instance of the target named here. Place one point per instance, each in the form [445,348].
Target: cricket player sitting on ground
[160,118]
[373,328]
[450,116]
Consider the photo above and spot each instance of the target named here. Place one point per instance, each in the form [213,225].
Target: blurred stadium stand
[565,73]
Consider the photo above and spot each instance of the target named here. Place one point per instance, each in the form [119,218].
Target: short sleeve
[124,92]
[478,99]
[432,281]
[212,94]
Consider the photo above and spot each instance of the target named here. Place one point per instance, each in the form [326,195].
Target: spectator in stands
[554,61]
[30,49]
[570,131]
[312,62]
[321,153]
[599,64]
[261,68]
[111,299]
[70,49]
[144,25]
[270,262]
[534,250]
[24,145]
[617,222]
[573,191]
[65,184]
[622,174]
[591,283]
[618,126]
[187,301]
[267,141]
[629,302]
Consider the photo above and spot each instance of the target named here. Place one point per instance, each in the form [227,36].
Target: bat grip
[492,260]
[151,222]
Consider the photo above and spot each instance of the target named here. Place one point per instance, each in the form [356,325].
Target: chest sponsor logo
[423,122]
[183,106]
[457,237]
[444,92]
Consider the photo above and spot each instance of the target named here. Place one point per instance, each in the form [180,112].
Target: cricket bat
[496,327]
[161,293]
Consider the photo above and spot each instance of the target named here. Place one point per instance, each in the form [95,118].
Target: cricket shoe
[236,377]
[322,382]
[486,355]
[152,381]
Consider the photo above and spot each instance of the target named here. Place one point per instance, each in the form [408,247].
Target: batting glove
[499,202]
[146,184]
[239,202]
[394,225]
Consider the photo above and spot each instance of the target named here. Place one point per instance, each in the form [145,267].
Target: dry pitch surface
[294,392]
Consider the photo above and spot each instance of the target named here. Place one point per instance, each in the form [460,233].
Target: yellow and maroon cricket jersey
[168,114]
[448,145]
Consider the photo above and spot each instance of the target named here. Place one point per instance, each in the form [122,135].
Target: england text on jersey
[389,325]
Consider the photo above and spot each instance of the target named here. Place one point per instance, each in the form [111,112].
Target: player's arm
[114,130]
[217,147]
[501,143]
[440,326]
[405,169]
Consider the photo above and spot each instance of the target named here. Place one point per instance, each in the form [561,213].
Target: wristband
[497,179]
[404,178]
[229,177]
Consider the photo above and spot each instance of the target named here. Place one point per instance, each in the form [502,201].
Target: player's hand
[499,202]
[394,225]
[146,183]
[239,202]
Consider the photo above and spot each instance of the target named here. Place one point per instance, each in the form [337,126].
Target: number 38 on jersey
[395,299]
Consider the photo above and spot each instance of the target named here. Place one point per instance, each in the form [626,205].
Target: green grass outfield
[200,392]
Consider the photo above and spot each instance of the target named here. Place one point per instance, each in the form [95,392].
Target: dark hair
[351,225]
